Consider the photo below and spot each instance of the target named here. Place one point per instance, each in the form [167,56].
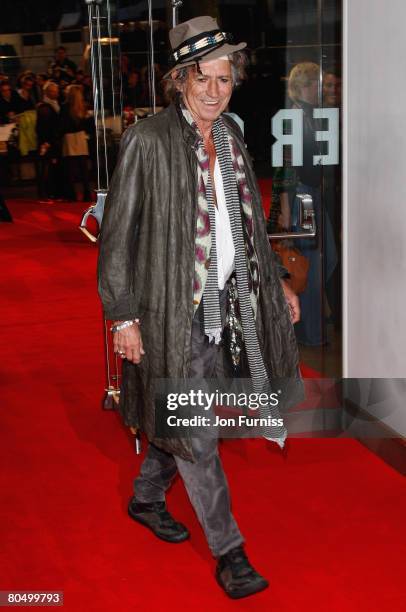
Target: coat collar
[189,135]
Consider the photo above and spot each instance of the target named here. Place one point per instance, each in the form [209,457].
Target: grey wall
[374,166]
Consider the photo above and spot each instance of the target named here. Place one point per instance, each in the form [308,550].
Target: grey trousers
[205,481]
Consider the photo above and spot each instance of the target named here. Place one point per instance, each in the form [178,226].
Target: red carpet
[324,520]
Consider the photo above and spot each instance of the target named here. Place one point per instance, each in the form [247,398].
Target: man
[49,146]
[178,225]
[331,89]
[63,63]
[9,103]
[8,112]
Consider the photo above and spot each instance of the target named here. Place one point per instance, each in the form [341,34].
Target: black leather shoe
[236,576]
[156,517]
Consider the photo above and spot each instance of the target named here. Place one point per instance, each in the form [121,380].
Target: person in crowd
[26,114]
[146,91]
[5,214]
[49,146]
[40,79]
[9,103]
[87,86]
[26,100]
[64,81]
[133,90]
[331,89]
[183,224]
[8,114]
[74,132]
[79,77]
[332,196]
[62,62]
[303,90]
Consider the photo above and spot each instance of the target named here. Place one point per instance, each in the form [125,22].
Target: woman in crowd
[74,129]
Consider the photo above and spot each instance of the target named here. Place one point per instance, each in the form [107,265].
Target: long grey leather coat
[146,265]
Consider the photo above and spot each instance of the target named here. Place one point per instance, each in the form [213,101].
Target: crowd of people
[52,113]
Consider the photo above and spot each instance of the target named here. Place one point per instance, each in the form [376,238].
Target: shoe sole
[161,537]
[241,594]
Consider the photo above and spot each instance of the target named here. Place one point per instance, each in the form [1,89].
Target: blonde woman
[303,85]
[74,129]
[304,92]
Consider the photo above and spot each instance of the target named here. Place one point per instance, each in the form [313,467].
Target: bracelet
[123,325]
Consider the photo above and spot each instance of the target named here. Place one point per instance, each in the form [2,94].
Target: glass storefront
[291,108]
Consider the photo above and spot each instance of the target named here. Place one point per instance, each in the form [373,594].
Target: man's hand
[292,300]
[128,343]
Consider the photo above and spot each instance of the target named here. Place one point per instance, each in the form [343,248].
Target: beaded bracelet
[123,325]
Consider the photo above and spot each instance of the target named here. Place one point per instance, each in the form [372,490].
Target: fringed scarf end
[214,334]
[280,441]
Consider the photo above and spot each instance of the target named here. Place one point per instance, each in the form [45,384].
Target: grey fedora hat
[199,39]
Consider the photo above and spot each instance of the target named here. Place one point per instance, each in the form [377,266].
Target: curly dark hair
[238,61]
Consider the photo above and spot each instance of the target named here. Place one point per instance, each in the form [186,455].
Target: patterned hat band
[200,45]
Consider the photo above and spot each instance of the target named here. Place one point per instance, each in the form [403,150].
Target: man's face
[60,55]
[6,92]
[331,90]
[52,92]
[207,95]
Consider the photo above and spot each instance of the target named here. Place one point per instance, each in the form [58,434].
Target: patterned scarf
[238,201]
